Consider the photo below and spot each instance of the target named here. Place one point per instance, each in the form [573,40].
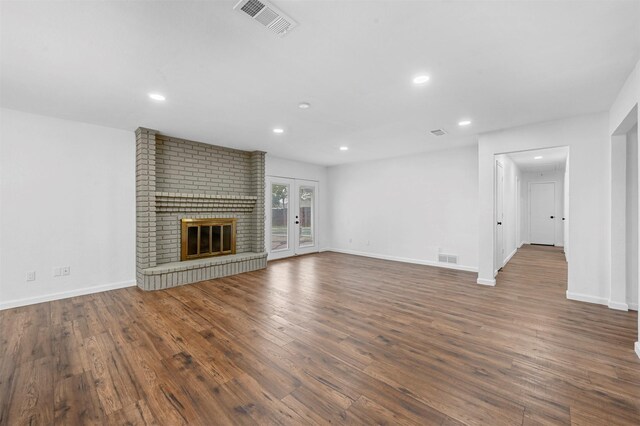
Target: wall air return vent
[267,14]
[438,132]
[448,258]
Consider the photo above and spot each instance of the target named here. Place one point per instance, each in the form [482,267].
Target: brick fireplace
[180,181]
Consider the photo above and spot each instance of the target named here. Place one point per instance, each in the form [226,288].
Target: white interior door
[517,218]
[499,258]
[542,213]
[291,217]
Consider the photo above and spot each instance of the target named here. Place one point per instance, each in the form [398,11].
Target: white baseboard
[513,253]
[637,345]
[64,294]
[484,281]
[406,260]
[619,306]
[586,298]
[633,306]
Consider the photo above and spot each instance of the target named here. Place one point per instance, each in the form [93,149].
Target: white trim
[637,345]
[483,281]
[405,260]
[619,306]
[510,256]
[633,306]
[586,298]
[65,294]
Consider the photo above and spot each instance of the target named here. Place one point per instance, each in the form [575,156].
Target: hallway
[544,265]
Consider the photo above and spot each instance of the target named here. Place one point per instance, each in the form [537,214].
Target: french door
[291,217]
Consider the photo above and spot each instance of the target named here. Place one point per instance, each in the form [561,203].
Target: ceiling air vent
[438,132]
[268,15]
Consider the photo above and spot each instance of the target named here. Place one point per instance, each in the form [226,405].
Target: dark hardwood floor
[326,338]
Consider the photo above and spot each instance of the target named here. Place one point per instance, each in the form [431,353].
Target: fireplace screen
[207,237]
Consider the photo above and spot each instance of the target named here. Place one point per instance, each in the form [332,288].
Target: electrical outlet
[31,275]
[66,270]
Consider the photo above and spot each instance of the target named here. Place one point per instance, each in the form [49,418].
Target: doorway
[529,201]
[292,217]
[542,213]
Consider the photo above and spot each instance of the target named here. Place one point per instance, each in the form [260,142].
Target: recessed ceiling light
[464,123]
[420,79]
[156,96]
[344,148]
[278,130]
[304,105]
[537,157]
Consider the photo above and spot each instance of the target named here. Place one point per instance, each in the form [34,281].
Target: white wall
[281,167]
[68,199]
[632,219]
[510,206]
[547,176]
[589,197]
[408,208]
[627,98]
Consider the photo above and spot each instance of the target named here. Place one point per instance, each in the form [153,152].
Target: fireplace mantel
[169,202]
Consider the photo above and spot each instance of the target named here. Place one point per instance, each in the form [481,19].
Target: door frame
[555,209]
[293,248]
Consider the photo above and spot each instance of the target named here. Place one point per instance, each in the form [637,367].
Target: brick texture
[176,179]
[145,200]
[196,168]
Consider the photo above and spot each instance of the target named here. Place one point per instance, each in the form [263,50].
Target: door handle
[297,222]
[499,223]
[552,217]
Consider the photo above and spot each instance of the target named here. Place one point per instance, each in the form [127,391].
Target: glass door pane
[226,238]
[216,247]
[306,204]
[279,216]
[205,239]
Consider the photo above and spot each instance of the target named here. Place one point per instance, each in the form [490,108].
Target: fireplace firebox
[207,237]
